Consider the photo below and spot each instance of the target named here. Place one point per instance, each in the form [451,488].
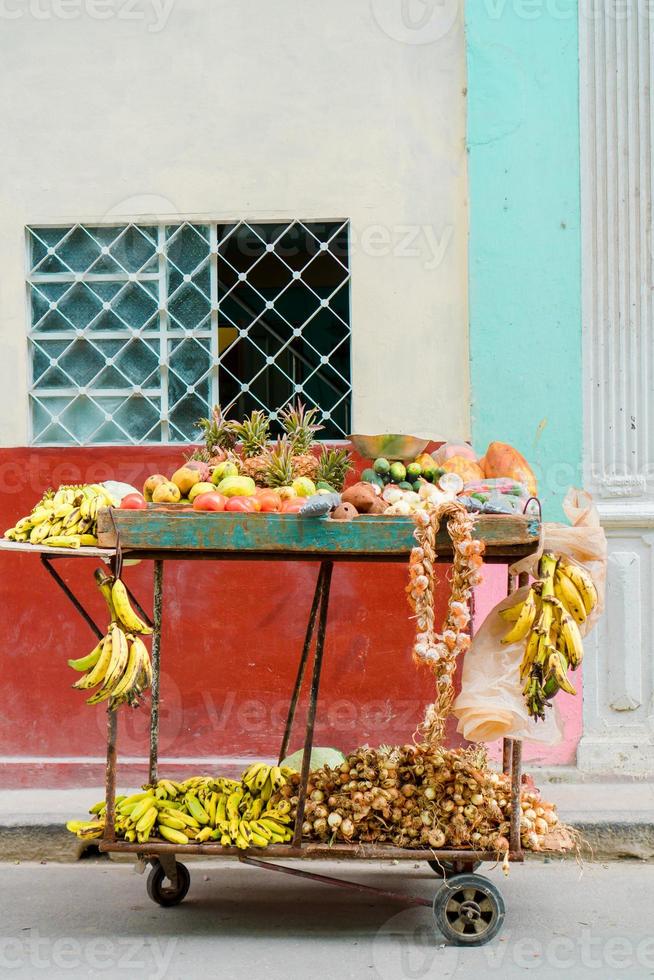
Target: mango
[199,488]
[184,478]
[202,468]
[166,493]
[152,483]
[227,468]
[237,486]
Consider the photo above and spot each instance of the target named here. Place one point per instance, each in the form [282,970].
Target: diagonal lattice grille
[137,330]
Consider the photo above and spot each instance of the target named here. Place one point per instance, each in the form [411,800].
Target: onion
[347,828]
[334,820]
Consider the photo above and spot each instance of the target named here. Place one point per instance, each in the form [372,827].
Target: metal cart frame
[163,855]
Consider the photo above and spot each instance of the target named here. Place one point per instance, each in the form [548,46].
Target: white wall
[247,108]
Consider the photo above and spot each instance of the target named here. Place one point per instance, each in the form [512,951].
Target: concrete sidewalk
[616,818]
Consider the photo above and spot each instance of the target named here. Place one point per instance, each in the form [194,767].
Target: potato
[361,495]
[344,512]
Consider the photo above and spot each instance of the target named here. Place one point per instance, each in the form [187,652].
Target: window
[137,330]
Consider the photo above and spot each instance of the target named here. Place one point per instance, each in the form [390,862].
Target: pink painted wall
[232,636]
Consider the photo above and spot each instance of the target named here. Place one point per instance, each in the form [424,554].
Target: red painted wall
[232,636]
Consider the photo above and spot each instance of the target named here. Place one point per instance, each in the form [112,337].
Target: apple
[166,493]
[133,501]
[210,501]
[152,483]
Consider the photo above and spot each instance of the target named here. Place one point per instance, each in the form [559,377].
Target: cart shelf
[280,536]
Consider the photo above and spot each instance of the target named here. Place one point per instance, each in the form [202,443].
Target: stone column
[618,340]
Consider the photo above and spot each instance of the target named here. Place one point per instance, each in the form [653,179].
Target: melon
[319,757]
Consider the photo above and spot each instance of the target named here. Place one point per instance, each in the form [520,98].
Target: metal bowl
[389,446]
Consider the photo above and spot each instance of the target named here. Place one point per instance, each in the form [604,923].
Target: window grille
[137,330]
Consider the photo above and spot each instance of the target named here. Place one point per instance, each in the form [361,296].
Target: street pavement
[94,919]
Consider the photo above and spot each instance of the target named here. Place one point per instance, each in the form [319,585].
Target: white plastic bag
[491,704]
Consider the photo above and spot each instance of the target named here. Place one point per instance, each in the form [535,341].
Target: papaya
[467,469]
[501,459]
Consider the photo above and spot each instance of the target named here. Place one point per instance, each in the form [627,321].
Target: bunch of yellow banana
[548,620]
[201,809]
[65,519]
[119,665]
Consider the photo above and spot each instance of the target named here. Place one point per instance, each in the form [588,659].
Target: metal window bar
[104,298]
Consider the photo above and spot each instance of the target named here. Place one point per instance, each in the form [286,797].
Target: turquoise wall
[524,274]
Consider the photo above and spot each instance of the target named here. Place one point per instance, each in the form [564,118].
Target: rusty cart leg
[302,665]
[313,700]
[156,671]
[507,753]
[110,775]
[516,781]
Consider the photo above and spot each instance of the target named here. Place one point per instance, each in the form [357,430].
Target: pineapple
[299,428]
[279,464]
[219,438]
[253,433]
[333,467]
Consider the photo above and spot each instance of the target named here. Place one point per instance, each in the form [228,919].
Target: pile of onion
[419,796]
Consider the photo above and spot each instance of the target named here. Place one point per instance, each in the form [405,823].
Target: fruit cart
[468,908]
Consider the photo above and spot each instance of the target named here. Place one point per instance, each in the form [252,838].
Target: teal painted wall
[524,258]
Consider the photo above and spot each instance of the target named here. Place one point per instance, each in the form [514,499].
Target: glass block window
[137,330]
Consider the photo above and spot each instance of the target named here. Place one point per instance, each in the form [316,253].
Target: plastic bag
[491,705]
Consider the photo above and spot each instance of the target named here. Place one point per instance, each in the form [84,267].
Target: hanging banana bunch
[548,621]
[119,665]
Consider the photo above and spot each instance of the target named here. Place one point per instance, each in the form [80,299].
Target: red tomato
[210,501]
[271,502]
[293,505]
[133,501]
[242,505]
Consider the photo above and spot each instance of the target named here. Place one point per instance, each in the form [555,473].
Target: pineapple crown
[218,432]
[333,466]
[299,424]
[253,432]
[280,464]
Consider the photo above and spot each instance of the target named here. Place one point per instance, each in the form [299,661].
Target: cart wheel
[445,869]
[168,896]
[469,910]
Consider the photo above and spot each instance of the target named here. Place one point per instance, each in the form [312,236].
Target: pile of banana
[201,809]
[65,519]
[119,666]
[548,620]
